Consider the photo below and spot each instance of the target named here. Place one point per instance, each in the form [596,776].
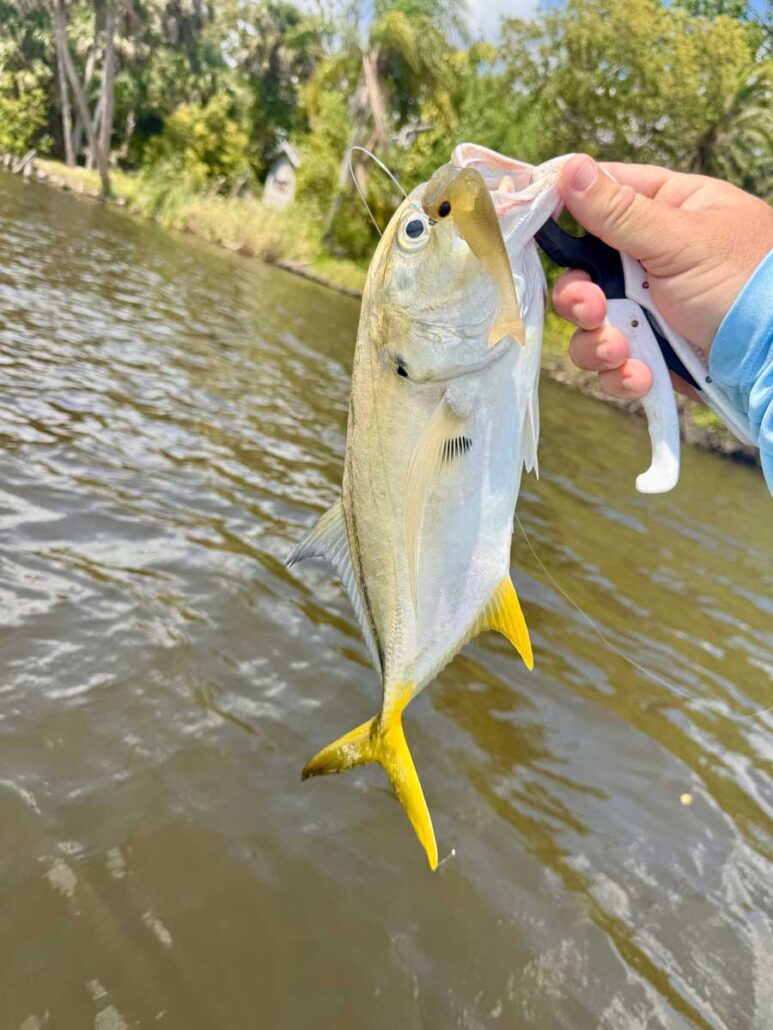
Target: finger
[622,217]
[599,350]
[578,300]
[645,179]
[632,380]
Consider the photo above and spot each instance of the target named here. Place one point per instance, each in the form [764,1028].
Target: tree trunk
[96,127]
[60,32]
[358,105]
[64,96]
[77,134]
[375,98]
[107,97]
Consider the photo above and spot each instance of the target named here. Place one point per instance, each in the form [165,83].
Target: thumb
[616,213]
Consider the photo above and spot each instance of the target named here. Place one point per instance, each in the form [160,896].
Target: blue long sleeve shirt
[741,359]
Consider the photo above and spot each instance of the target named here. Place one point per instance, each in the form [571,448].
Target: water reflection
[172,419]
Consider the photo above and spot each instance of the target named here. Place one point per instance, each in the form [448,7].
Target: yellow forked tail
[382,740]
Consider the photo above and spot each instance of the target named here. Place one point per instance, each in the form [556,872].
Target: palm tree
[395,60]
[99,144]
[738,145]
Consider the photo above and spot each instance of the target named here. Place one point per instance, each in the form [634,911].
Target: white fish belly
[464,552]
[464,549]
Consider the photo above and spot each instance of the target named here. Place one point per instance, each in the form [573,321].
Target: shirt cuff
[742,345]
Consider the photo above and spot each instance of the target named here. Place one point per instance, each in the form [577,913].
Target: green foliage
[205,91]
[738,9]
[273,48]
[321,149]
[24,79]
[628,82]
[202,144]
[23,105]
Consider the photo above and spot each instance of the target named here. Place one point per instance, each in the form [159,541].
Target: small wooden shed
[280,181]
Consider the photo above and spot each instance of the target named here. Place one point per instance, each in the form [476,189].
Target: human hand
[699,239]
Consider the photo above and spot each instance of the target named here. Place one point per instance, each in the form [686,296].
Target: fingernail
[577,313]
[628,383]
[602,353]
[585,175]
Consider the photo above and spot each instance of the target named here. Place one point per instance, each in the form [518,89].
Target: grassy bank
[292,240]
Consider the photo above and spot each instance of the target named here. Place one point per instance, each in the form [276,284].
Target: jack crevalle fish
[441,425]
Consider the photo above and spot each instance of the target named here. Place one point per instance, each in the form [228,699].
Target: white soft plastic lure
[441,425]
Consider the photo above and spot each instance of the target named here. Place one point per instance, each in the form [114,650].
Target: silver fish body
[440,428]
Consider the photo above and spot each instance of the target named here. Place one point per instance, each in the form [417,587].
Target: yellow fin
[425,466]
[382,740]
[355,748]
[503,614]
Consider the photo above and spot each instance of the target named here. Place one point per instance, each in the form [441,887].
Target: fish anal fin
[382,740]
[328,539]
[502,613]
[427,460]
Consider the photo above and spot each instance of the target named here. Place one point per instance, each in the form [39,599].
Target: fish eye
[444,209]
[414,233]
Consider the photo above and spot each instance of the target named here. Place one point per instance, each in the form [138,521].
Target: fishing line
[598,630]
[383,167]
[613,647]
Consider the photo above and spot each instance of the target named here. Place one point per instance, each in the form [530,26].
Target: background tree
[197,93]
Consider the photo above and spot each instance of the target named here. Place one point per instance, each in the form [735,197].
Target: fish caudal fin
[382,740]
[503,614]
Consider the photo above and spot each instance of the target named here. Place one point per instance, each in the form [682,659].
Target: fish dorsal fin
[434,449]
[502,613]
[327,539]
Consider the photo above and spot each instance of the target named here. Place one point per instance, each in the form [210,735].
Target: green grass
[555,340]
[124,185]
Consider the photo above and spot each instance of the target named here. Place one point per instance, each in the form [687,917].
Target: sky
[485,14]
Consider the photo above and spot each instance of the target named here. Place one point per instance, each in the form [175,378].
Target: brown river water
[172,418]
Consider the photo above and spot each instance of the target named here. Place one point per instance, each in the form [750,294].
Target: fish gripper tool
[651,339]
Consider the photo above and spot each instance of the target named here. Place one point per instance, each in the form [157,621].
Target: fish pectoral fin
[429,455]
[328,539]
[382,740]
[502,613]
[531,437]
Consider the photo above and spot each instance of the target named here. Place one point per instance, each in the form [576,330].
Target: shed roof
[292,155]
